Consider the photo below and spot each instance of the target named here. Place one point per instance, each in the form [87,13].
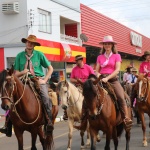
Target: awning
[55,51]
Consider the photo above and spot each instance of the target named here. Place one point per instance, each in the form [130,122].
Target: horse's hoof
[98,140]
[68,148]
[83,147]
[145,143]
[88,142]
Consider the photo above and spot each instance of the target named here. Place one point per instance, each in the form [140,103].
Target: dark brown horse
[103,115]
[25,110]
[142,90]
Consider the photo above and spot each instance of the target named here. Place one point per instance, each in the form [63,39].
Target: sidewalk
[58,119]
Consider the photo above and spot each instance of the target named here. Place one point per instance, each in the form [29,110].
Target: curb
[58,119]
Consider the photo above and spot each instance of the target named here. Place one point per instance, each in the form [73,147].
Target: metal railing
[68,38]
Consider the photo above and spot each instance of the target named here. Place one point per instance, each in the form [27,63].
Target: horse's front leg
[88,136]
[42,137]
[108,137]
[143,128]
[34,137]
[93,134]
[71,122]
[115,138]
[127,139]
[82,139]
[19,135]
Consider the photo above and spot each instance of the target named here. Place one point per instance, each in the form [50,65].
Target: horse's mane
[92,76]
[88,89]
[3,75]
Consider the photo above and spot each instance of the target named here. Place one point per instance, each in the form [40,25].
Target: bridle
[146,90]
[24,78]
[68,97]
[100,105]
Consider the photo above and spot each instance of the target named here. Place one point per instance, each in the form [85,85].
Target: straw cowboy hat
[108,39]
[129,66]
[78,57]
[31,38]
[145,54]
[134,70]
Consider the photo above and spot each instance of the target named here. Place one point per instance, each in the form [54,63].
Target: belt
[110,80]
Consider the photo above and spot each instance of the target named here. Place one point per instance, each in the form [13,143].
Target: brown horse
[142,89]
[103,115]
[25,110]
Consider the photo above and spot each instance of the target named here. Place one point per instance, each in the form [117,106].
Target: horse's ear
[97,80]
[10,71]
[136,75]
[80,82]
[146,75]
[66,83]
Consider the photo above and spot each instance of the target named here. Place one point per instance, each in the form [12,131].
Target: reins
[75,101]
[25,77]
[98,99]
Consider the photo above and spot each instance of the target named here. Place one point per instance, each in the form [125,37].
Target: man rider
[32,61]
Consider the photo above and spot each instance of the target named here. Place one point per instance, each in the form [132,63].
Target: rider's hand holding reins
[105,80]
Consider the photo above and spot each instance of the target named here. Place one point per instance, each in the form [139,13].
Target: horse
[25,110]
[103,115]
[72,99]
[142,90]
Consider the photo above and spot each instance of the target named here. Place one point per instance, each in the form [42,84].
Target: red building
[130,44]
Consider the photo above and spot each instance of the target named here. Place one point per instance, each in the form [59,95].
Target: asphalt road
[61,140]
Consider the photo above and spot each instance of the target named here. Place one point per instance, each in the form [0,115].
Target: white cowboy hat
[108,39]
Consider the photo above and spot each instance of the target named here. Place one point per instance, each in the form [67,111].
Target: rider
[127,74]
[144,69]
[32,61]
[80,72]
[145,65]
[108,66]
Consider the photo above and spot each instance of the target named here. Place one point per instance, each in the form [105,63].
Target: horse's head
[142,87]
[7,84]
[64,93]
[91,94]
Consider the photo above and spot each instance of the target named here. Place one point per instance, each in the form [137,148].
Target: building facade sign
[136,39]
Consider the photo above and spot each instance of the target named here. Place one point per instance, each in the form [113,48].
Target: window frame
[48,26]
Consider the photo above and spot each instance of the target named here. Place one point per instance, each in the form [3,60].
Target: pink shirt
[110,67]
[145,68]
[82,73]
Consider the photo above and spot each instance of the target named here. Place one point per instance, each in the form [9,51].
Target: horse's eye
[65,91]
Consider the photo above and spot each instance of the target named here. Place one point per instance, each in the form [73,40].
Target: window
[44,21]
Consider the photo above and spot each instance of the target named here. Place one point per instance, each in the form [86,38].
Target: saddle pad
[53,97]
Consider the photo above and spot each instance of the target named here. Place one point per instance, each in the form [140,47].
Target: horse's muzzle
[64,107]
[93,117]
[5,107]
[140,99]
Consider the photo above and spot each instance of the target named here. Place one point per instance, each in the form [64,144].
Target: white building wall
[13,26]
[56,10]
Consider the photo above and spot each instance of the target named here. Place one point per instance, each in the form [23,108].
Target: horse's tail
[49,142]
[120,129]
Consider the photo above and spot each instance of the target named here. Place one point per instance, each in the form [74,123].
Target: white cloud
[134,15]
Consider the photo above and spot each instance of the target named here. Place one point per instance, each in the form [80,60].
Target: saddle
[33,84]
[107,87]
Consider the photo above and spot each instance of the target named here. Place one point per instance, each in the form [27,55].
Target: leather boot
[65,116]
[84,117]
[49,127]
[127,121]
[7,128]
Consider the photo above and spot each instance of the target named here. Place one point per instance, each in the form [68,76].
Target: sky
[134,14]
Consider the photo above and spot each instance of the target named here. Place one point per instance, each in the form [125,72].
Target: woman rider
[108,66]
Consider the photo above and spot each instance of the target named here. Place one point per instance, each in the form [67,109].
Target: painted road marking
[29,147]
